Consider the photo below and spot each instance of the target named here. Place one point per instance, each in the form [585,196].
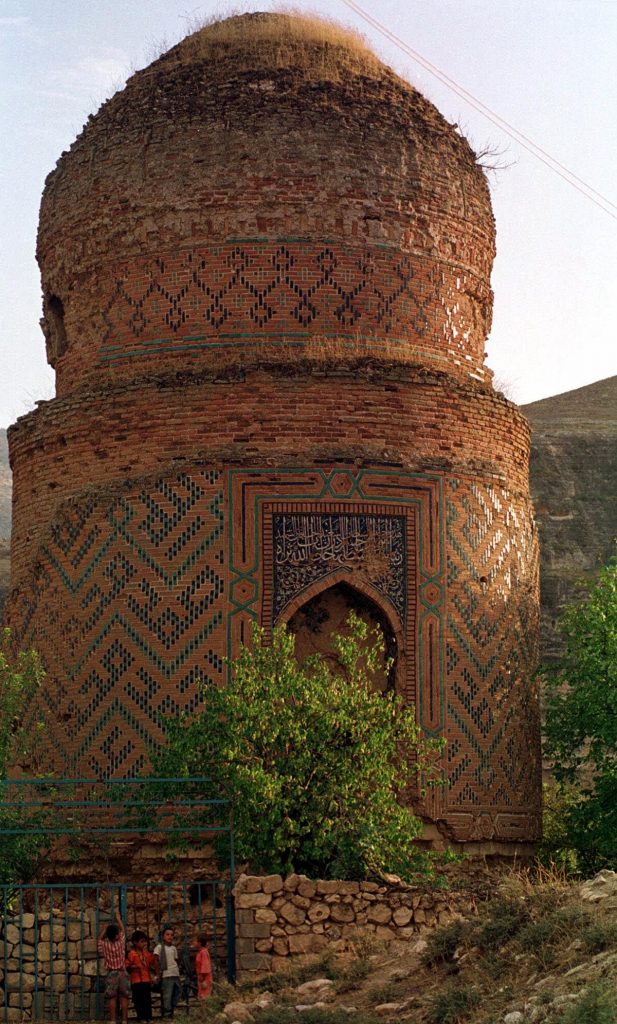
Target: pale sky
[545,66]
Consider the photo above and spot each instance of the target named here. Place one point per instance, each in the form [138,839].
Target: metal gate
[49,967]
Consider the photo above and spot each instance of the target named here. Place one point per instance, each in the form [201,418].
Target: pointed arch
[322,608]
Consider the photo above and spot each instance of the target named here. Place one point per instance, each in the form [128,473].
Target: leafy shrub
[506,918]
[442,943]
[21,675]
[312,753]
[581,722]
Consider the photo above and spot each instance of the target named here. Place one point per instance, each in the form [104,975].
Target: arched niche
[319,614]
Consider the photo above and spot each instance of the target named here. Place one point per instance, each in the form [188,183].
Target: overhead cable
[523,140]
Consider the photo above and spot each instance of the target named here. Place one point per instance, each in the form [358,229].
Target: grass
[443,943]
[290,38]
[327,1015]
[506,918]
[452,1004]
[545,937]
[597,1005]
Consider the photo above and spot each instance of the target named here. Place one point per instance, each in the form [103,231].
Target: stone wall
[280,921]
[46,959]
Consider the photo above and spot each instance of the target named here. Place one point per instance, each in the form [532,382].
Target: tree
[313,758]
[581,722]
[20,677]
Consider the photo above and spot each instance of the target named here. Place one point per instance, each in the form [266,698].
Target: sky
[547,67]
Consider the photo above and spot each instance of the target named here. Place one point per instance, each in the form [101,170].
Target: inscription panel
[311,546]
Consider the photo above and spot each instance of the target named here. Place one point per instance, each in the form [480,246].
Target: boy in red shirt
[143,967]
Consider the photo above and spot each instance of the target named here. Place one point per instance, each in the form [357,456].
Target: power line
[523,140]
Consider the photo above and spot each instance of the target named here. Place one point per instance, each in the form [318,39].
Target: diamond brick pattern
[257,290]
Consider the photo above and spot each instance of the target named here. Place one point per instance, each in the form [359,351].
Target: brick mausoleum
[265,268]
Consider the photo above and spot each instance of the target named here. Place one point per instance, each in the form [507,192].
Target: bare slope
[574,487]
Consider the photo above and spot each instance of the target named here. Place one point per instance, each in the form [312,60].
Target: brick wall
[266,296]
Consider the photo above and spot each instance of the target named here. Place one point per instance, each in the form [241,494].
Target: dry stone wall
[280,921]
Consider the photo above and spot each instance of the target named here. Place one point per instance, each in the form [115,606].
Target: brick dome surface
[265,270]
[235,198]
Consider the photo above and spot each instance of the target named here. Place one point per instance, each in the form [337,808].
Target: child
[203,967]
[112,948]
[143,969]
[170,972]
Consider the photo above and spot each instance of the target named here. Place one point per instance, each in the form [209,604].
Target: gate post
[230,928]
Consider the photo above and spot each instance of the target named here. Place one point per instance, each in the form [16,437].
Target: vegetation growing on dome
[320,46]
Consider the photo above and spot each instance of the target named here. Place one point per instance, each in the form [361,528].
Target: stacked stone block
[283,921]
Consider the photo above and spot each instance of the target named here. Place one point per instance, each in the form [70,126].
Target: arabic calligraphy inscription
[309,546]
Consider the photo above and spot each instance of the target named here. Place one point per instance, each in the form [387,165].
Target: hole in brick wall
[54,327]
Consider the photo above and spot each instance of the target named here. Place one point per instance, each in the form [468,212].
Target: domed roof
[323,49]
[265,188]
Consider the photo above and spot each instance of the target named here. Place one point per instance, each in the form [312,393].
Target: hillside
[540,952]
[574,487]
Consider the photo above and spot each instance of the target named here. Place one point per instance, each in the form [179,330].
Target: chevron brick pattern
[493,761]
[128,615]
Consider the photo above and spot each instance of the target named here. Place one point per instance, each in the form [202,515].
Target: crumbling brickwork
[266,297]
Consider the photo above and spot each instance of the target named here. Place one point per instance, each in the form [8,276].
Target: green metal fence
[49,968]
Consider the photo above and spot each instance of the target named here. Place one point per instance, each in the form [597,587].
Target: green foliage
[556,850]
[20,677]
[442,943]
[581,723]
[506,917]
[314,758]
[453,1003]
[597,1005]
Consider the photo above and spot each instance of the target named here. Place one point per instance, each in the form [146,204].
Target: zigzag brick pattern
[266,297]
[493,756]
[128,617]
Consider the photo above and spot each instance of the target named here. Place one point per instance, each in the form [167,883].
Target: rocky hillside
[574,486]
[537,952]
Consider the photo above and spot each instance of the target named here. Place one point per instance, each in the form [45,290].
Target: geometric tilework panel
[492,755]
[128,615]
[236,292]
